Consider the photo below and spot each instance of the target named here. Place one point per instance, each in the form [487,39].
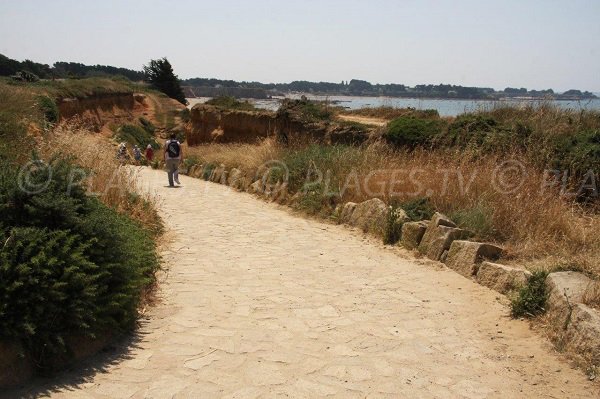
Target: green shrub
[147,125]
[207,170]
[185,115]
[315,200]
[413,132]
[228,102]
[393,225]
[531,299]
[315,110]
[69,265]
[134,134]
[577,153]
[418,209]
[308,163]
[49,109]
[190,161]
[478,219]
[469,129]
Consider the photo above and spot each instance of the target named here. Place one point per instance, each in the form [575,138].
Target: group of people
[123,154]
[172,155]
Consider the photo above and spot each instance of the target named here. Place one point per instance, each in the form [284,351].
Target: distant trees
[159,73]
[76,69]
[357,86]
[60,69]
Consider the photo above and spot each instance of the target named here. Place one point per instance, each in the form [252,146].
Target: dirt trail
[367,120]
[259,303]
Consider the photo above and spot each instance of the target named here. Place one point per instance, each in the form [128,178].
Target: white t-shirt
[167,152]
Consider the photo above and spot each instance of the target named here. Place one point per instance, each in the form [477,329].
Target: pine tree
[160,74]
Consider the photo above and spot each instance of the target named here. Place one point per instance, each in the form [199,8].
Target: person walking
[137,154]
[173,154]
[149,153]
[122,152]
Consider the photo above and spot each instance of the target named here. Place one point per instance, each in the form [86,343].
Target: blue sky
[527,43]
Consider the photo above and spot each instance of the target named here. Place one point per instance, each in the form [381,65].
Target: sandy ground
[363,119]
[259,303]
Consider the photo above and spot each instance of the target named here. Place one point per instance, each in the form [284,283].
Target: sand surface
[256,302]
[367,120]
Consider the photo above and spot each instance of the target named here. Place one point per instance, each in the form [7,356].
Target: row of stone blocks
[579,324]
[441,240]
[236,179]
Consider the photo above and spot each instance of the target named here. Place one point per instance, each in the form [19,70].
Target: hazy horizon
[533,44]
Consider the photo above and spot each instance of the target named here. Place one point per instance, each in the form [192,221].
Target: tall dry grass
[104,176]
[505,199]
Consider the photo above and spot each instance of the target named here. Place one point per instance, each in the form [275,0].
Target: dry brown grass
[389,113]
[534,223]
[113,183]
[592,295]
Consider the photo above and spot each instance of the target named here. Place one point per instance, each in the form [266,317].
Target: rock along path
[257,302]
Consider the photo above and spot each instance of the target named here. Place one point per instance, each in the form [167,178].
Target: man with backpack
[173,156]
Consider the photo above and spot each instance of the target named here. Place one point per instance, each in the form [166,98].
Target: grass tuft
[530,300]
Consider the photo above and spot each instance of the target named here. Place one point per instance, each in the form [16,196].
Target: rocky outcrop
[212,124]
[95,105]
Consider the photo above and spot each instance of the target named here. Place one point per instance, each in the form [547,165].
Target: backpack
[173,149]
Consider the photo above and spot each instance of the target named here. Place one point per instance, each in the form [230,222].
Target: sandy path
[260,303]
[367,120]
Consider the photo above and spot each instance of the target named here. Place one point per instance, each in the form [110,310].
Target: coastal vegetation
[357,87]
[78,250]
[515,176]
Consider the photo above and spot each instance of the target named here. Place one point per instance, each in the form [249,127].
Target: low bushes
[412,132]
[228,102]
[134,134]
[49,108]
[69,265]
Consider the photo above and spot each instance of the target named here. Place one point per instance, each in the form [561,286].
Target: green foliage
[147,125]
[160,75]
[413,132]
[315,199]
[309,163]
[577,153]
[228,102]
[190,161]
[69,265]
[393,225]
[354,124]
[134,134]
[531,299]
[418,209]
[207,170]
[316,110]
[478,219]
[185,115]
[49,108]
